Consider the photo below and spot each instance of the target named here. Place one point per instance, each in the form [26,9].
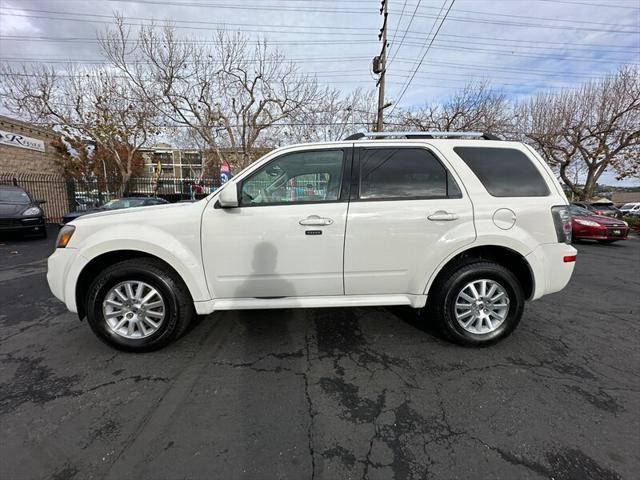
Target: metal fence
[63,195]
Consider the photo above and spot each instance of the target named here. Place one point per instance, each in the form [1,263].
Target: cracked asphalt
[326,393]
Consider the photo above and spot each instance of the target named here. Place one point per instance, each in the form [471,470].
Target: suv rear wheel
[477,304]
[138,305]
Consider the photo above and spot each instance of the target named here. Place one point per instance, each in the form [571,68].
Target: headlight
[587,223]
[65,235]
[32,211]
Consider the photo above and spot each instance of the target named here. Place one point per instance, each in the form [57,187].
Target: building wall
[16,160]
[35,171]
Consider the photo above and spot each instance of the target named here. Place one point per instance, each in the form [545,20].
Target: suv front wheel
[138,305]
[477,304]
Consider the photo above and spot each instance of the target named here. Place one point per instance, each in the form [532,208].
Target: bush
[634,222]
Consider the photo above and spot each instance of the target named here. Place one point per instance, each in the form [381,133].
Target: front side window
[504,172]
[310,176]
[404,173]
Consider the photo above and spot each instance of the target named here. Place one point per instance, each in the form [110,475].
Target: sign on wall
[20,141]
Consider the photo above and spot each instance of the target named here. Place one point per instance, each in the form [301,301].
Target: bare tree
[332,116]
[591,129]
[96,105]
[228,91]
[475,107]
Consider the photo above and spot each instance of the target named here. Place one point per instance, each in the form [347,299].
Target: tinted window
[504,172]
[312,176]
[404,173]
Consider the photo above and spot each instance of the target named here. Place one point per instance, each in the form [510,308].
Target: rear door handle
[315,220]
[442,216]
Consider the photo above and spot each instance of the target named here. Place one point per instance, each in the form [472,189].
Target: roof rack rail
[429,134]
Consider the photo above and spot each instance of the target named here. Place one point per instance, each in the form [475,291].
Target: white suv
[459,225]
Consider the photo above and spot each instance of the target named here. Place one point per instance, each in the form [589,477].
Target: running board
[415,301]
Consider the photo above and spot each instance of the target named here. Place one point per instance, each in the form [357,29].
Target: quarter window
[404,173]
[504,172]
[311,176]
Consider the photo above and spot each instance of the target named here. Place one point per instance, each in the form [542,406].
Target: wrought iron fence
[63,195]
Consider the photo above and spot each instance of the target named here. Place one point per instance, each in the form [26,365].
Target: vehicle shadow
[417,319]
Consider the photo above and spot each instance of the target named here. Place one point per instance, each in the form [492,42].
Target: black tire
[443,295]
[43,233]
[179,310]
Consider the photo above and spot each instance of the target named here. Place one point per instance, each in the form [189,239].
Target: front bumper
[551,273]
[63,268]
[22,224]
[600,233]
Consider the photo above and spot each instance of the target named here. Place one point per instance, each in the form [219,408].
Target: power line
[450,76]
[469,66]
[504,42]
[395,31]
[297,8]
[532,76]
[441,45]
[397,49]
[528,17]
[600,5]
[423,56]
[360,12]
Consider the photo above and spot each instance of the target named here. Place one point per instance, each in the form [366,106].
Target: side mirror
[41,201]
[228,197]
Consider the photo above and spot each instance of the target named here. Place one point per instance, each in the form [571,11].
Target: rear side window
[504,172]
[404,173]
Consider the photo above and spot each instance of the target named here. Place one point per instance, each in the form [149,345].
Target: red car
[588,226]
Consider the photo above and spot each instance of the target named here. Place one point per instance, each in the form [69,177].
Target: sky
[518,46]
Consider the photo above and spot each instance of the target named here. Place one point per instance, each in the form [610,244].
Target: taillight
[562,222]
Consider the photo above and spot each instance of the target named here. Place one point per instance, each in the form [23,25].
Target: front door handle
[315,220]
[442,216]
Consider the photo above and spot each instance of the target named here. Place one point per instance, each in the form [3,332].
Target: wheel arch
[505,256]
[101,261]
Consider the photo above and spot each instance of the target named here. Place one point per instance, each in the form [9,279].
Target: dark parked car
[587,226]
[19,212]
[601,208]
[117,204]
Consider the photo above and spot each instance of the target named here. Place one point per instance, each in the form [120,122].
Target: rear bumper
[551,273]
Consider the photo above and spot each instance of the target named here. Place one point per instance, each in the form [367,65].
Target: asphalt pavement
[325,393]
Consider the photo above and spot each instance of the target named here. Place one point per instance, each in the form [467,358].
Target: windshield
[16,197]
[575,210]
[628,206]
[123,203]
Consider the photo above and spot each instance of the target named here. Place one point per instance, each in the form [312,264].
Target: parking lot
[332,394]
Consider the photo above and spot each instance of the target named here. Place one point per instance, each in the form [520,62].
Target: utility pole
[380,65]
